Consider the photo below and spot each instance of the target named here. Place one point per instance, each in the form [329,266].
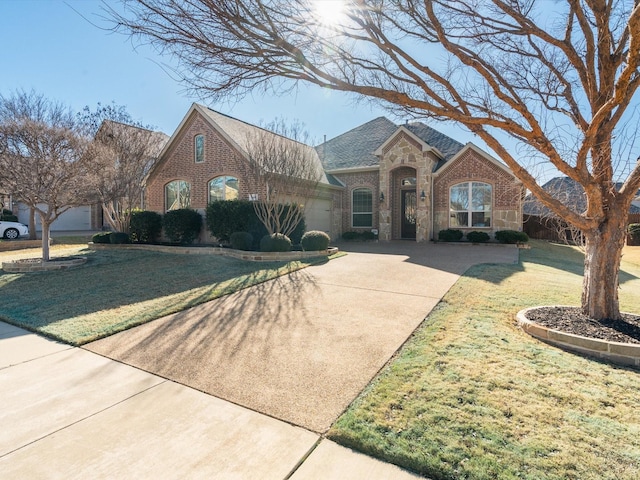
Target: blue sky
[48,46]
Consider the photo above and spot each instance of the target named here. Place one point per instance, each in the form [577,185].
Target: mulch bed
[572,320]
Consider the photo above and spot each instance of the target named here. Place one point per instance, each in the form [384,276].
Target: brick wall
[471,166]
[179,164]
[359,180]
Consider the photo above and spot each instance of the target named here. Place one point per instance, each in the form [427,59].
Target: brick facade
[220,158]
[363,179]
[471,166]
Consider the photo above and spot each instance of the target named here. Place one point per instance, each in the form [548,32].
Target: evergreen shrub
[145,226]
[511,236]
[182,226]
[314,240]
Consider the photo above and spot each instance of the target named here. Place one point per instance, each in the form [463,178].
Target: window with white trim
[470,205]
[177,194]
[362,208]
[224,188]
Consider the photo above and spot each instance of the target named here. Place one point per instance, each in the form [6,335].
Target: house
[403,181]
[570,192]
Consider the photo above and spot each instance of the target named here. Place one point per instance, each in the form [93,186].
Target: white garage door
[78,218]
[318,215]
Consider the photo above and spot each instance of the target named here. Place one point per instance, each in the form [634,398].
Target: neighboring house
[570,192]
[406,182]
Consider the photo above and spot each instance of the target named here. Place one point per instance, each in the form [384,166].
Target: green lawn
[471,396]
[118,289]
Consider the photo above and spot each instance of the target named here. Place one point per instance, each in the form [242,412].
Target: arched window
[177,194]
[470,205]
[198,148]
[362,208]
[224,188]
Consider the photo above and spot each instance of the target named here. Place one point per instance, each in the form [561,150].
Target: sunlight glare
[330,12]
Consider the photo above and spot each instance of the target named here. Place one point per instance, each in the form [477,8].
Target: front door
[409,210]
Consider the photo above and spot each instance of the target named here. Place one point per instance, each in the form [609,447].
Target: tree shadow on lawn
[112,281]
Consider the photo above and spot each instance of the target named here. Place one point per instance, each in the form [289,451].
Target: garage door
[318,215]
[75,219]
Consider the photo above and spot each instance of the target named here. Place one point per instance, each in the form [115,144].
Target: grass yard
[470,396]
[118,289]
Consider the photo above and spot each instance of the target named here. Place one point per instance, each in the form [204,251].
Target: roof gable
[236,132]
[470,146]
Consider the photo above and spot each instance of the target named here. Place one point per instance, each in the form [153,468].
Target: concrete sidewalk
[68,413]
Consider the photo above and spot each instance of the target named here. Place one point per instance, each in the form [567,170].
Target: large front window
[470,205]
[177,195]
[224,188]
[362,208]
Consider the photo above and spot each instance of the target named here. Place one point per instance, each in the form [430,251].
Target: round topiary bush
[276,242]
[241,240]
[511,236]
[450,235]
[119,238]
[478,237]
[145,226]
[315,240]
[182,226]
[104,237]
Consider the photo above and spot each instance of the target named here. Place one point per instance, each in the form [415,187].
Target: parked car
[13,230]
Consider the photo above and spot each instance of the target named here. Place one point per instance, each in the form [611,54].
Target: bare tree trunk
[32,223]
[603,251]
[45,239]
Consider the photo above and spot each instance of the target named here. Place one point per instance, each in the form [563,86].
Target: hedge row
[502,236]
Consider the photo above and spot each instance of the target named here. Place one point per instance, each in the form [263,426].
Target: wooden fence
[548,229]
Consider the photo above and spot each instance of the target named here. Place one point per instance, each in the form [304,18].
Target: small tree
[126,150]
[288,169]
[45,158]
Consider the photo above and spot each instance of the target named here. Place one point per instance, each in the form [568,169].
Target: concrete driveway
[224,389]
[300,348]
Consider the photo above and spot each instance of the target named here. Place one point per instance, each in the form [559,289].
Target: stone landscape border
[226,252]
[627,354]
[37,265]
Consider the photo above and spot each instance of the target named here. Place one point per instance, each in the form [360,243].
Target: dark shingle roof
[566,190]
[355,148]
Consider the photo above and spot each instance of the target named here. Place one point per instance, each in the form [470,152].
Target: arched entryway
[405,203]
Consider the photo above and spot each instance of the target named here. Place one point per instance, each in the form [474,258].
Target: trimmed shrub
[368,235]
[478,237]
[145,226]
[103,237]
[315,240]
[634,234]
[511,236]
[450,235]
[275,243]
[241,240]
[182,226]
[8,216]
[225,217]
[351,236]
[119,238]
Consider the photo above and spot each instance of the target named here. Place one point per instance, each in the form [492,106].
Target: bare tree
[288,169]
[124,153]
[558,78]
[44,157]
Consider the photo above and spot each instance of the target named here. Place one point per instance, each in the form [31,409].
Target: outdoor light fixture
[381,197]
[422,196]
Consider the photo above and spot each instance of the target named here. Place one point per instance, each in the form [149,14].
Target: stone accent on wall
[403,157]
